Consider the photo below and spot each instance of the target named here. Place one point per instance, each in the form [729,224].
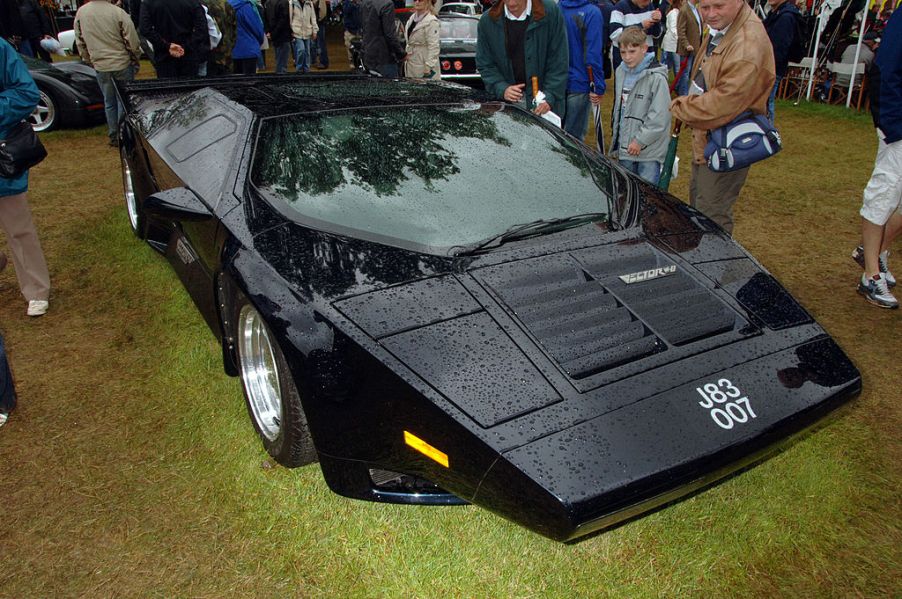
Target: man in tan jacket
[734,73]
[107,40]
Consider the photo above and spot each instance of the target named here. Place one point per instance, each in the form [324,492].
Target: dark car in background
[442,298]
[457,56]
[70,95]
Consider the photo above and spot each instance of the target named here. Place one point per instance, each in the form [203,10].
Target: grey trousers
[714,194]
[28,258]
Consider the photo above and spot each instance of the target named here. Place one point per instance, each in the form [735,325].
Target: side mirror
[179,204]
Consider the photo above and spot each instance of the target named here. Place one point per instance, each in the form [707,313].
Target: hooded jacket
[546,50]
[585,37]
[645,117]
[739,76]
[249,31]
[303,19]
[18,97]
[782,29]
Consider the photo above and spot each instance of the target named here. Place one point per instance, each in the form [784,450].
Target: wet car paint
[382,339]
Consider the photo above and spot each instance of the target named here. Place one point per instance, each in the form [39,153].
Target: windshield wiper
[526,230]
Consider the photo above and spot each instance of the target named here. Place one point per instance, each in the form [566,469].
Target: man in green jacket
[519,40]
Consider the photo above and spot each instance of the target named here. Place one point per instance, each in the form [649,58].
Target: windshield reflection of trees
[373,149]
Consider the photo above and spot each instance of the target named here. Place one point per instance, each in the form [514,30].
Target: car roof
[278,95]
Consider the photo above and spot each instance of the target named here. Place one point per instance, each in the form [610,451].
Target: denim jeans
[648,170]
[770,100]
[301,55]
[202,69]
[576,115]
[389,70]
[319,53]
[282,51]
[672,61]
[682,87]
[111,104]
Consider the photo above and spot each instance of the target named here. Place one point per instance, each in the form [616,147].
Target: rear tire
[273,400]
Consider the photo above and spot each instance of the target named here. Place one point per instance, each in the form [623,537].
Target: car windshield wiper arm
[524,230]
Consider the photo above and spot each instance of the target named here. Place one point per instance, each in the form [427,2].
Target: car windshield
[434,176]
[459,29]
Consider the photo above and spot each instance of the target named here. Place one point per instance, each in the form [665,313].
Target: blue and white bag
[746,140]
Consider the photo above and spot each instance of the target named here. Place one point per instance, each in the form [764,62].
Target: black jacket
[34,19]
[381,45]
[10,20]
[782,29]
[182,22]
[277,22]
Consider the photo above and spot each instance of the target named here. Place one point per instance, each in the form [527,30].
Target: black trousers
[175,67]
[244,66]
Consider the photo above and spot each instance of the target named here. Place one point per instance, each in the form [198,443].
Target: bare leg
[872,239]
[892,230]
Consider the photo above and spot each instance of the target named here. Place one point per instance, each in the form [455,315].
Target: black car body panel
[74,90]
[570,380]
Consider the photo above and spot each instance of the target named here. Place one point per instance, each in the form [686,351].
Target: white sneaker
[876,291]
[3,418]
[37,307]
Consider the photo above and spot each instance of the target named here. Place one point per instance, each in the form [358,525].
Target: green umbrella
[667,169]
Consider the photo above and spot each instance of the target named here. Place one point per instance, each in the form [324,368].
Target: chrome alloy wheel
[44,114]
[129,189]
[259,372]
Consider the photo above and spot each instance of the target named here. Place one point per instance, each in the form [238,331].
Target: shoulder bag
[746,140]
[20,151]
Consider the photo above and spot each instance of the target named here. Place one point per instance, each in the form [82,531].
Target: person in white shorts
[881,210]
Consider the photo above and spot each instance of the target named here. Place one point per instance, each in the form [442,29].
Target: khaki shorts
[883,194]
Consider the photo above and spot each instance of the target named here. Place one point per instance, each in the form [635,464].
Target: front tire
[273,400]
[45,116]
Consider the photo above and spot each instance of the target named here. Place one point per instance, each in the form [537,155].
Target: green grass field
[131,468]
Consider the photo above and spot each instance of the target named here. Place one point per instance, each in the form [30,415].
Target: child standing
[641,122]
[303,28]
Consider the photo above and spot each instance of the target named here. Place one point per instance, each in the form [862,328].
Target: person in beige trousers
[422,36]
[18,98]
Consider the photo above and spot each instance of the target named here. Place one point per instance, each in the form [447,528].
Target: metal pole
[817,42]
[864,19]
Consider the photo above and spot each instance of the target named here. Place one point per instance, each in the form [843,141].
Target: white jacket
[303,19]
[422,47]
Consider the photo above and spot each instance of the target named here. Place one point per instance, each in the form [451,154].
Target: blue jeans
[319,47]
[576,114]
[301,55]
[282,50]
[389,70]
[202,69]
[648,170]
[682,87]
[111,104]
[672,61]
[770,100]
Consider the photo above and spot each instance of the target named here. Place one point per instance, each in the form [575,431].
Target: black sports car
[444,299]
[70,95]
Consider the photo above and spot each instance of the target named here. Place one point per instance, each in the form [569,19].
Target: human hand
[542,109]
[594,99]
[689,48]
[176,51]
[634,148]
[514,93]
[656,16]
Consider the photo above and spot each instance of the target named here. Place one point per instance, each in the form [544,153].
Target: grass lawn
[131,468]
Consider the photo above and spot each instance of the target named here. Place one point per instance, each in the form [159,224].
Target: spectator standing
[585,38]
[519,40]
[176,29]
[248,37]
[215,37]
[108,41]
[422,36]
[320,52]
[669,43]
[303,28]
[734,74]
[278,30]
[635,13]
[641,124]
[18,98]
[382,50]
[607,9]
[220,61]
[689,37]
[37,27]
[11,28]
[350,14]
[881,210]
[782,26]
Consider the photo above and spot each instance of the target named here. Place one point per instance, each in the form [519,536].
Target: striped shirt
[627,14]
